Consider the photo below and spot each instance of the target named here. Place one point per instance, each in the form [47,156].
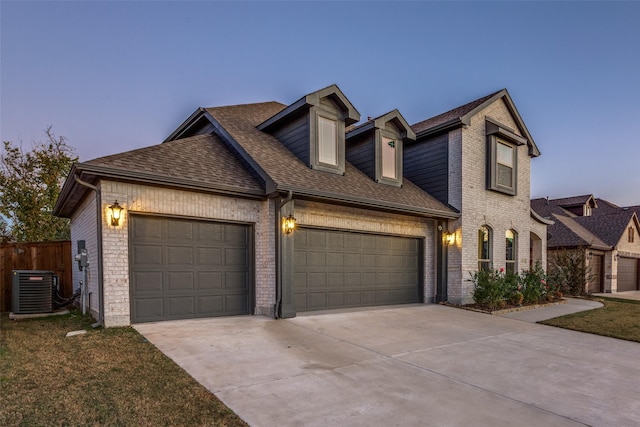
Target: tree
[30,183]
[569,270]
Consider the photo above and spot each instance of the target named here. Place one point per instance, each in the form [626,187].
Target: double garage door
[337,269]
[186,269]
[627,274]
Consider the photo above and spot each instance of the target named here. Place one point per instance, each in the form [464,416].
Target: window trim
[485,263]
[631,236]
[315,114]
[319,141]
[514,252]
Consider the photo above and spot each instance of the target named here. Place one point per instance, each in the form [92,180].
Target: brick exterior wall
[479,206]
[165,201]
[353,219]
[84,227]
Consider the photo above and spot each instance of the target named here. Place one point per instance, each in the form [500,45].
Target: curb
[508,310]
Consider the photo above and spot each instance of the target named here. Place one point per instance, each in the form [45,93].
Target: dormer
[376,147]
[580,205]
[313,128]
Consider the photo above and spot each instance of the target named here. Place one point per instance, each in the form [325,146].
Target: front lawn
[104,377]
[619,318]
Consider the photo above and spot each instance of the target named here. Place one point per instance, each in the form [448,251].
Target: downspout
[100,321]
[278,221]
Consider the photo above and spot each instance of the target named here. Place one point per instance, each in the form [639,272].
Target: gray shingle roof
[203,160]
[456,113]
[609,228]
[288,172]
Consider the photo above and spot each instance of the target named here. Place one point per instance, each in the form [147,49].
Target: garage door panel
[236,304]
[180,255]
[235,257]
[336,279]
[235,235]
[335,299]
[209,256]
[209,280]
[149,309]
[194,269]
[178,307]
[210,233]
[210,305]
[148,231]
[336,269]
[180,281]
[316,259]
[147,281]
[236,280]
[179,231]
[147,255]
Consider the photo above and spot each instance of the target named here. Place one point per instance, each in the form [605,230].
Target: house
[274,209]
[606,234]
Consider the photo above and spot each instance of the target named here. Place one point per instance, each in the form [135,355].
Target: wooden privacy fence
[49,256]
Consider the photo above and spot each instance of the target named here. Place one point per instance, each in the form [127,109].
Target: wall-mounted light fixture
[616,257]
[116,211]
[449,238]
[288,224]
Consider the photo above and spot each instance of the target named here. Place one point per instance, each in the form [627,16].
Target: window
[632,233]
[502,157]
[511,250]
[484,248]
[504,165]
[327,141]
[388,158]
[502,170]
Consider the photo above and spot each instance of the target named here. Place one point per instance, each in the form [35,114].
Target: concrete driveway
[404,366]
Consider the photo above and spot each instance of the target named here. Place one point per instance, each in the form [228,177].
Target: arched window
[484,248]
[511,242]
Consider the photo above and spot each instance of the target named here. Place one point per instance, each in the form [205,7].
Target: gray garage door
[627,274]
[335,269]
[186,269]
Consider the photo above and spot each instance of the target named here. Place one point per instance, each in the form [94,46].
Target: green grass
[107,377]
[619,318]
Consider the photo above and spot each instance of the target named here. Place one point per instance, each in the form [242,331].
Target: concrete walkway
[635,295]
[407,366]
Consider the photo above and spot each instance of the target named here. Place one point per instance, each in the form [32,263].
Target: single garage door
[627,274]
[184,269]
[336,269]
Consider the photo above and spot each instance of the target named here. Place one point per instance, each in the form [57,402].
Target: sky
[119,75]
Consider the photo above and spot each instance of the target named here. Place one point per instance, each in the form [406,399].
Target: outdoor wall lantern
[449,239]
[116,212]
[288,224]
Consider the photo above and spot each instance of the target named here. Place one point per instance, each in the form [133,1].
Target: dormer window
[389,158]
[327,141]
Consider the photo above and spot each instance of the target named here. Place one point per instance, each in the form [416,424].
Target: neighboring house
[607,234]
[384,213]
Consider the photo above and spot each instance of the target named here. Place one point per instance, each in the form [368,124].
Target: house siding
[143,199]
[361,154]
[315,214]
[84,227]
[295,136]
[425,164]
[480,206]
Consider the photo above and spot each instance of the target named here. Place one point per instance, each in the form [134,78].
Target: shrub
[570,271]
[493,288]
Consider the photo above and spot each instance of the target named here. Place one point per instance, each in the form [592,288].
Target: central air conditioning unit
[32,292]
